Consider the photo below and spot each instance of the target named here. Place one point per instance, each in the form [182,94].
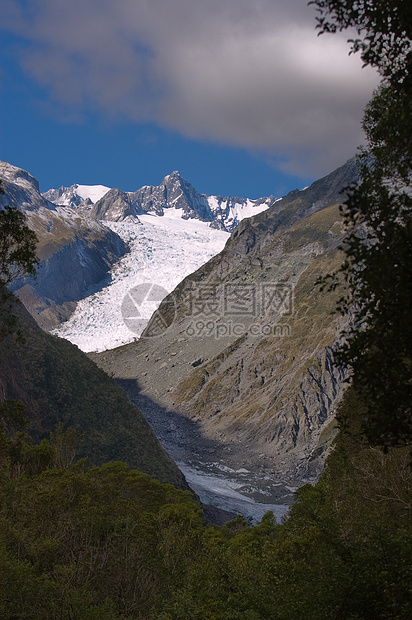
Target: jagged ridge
[174,192]
[268,395]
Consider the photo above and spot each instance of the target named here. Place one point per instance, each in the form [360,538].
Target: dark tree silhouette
[377,271]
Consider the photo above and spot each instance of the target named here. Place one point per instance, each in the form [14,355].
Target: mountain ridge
[261,386]
[260,400]
[174,192]
[75,251]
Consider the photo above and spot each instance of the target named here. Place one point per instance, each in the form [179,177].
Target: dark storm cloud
[247,73]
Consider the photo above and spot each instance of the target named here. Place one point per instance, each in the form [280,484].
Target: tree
[377,271]
[17,258]
[384,29]
[17,245]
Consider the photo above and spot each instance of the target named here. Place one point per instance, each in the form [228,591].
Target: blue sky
[240,96]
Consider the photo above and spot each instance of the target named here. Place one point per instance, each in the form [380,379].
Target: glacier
[163,251]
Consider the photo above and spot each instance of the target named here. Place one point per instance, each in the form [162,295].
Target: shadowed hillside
[58,383]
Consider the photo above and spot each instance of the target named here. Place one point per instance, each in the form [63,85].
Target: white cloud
[247,73]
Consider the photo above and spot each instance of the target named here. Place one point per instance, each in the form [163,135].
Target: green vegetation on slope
[76,543]
[109,543]
[58,383]
[377,271]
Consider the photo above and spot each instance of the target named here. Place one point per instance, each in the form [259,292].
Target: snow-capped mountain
[75,251]
[74,195]
[230,211]
[171,231]
[240,388]
[174,192]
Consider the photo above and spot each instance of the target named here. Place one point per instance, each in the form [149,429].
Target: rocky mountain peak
[114,206]
[66,196]
[174,192]
[76,194]
[18,176]
[173,176]
[21,189]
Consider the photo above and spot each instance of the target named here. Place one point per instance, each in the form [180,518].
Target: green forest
[82,541]
[110,543]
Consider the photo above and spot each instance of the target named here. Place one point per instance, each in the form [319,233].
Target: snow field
[163,251]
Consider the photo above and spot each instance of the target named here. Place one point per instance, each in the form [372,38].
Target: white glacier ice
[163,251]
[94,192]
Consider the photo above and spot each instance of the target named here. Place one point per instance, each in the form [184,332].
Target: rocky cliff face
[243,347]
[76,252]
[114,206]
[173,192]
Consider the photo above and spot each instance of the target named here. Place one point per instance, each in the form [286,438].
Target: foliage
[59,384]
[87,543]
[17,258]
[384,28]
[17,245]
[110,543]
[377,271]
